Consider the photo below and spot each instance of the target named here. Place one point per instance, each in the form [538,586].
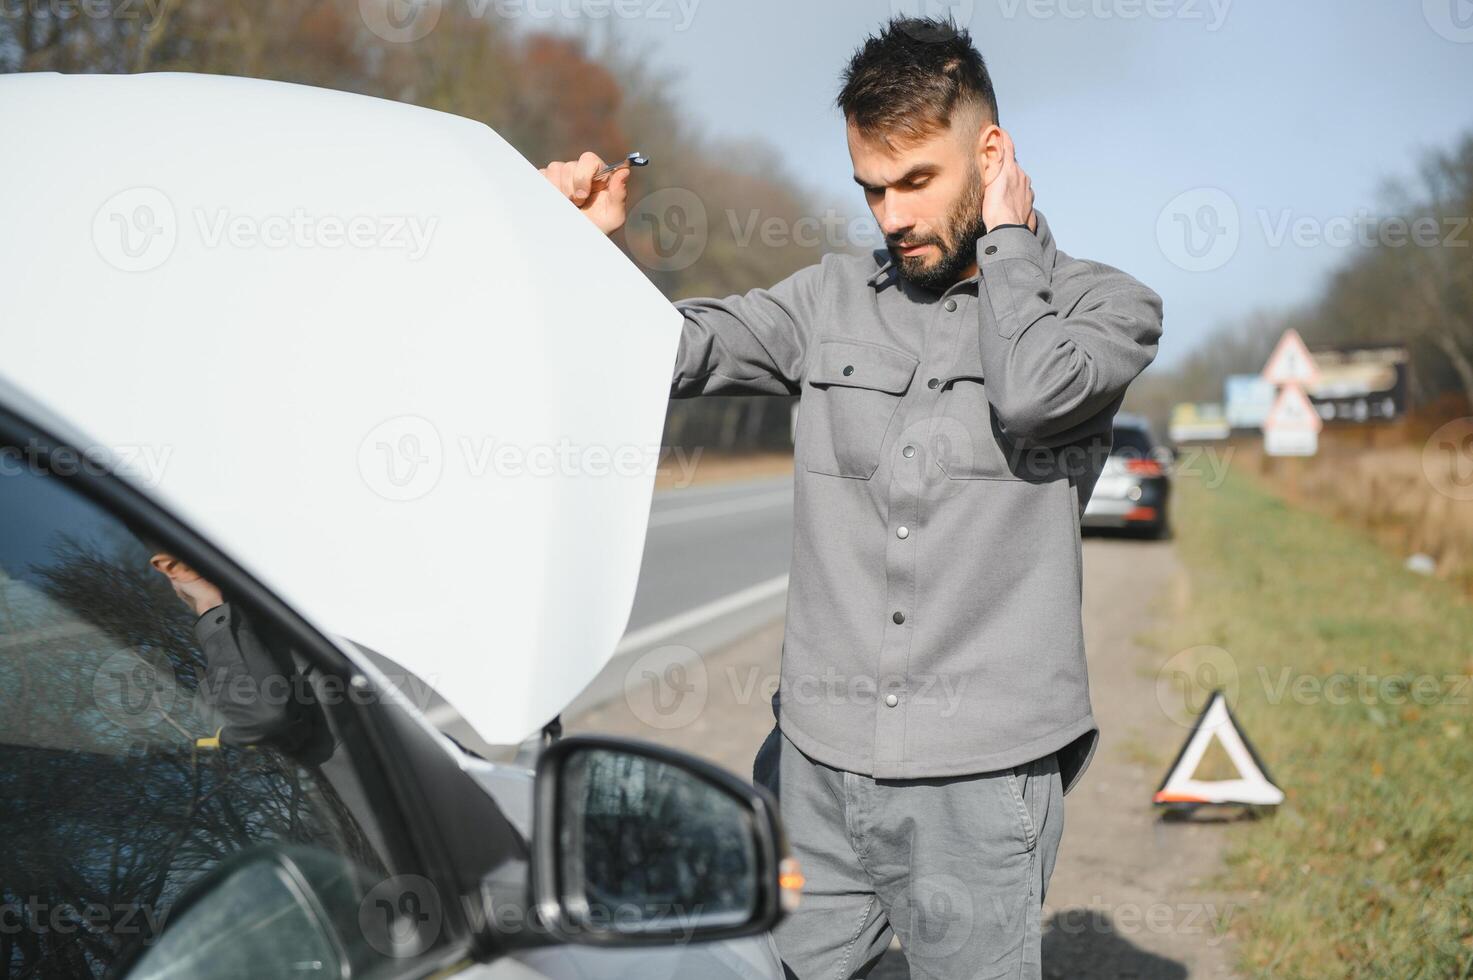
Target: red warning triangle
[1291,363]
[1292,410]
[1253,787]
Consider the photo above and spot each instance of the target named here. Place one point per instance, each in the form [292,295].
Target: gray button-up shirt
[946,446]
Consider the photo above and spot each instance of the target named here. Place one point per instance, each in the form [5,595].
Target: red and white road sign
[1291,363]
[1293,426]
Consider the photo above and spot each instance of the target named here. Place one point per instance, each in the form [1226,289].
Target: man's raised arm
[1049,370]
[1059,344]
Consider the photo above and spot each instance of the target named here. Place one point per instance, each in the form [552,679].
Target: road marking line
[647,636]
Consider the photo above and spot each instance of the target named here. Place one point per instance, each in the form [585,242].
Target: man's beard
[957,243]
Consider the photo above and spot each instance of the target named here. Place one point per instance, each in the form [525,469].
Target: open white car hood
[364,347]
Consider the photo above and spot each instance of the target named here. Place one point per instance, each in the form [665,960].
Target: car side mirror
[270,911]
[634,844]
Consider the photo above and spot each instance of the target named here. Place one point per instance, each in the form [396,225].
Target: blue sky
[1131,116]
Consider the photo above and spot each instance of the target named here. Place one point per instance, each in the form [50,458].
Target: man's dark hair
[907,82]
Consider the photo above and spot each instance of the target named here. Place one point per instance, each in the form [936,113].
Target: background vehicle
[1134,487]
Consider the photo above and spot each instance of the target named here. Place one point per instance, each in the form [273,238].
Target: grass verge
[1353,679]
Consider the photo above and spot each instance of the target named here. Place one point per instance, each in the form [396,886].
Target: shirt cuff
[212,621]
[1009,242]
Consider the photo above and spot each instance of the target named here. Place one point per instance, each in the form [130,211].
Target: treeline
[550,95]
[1409,281]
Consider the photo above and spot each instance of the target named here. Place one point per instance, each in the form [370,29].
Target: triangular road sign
[1292,410]
[1291,363]
[1253,787]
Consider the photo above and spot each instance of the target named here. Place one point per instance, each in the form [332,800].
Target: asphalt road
[706,543]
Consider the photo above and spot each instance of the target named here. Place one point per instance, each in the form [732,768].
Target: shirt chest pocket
[851,397]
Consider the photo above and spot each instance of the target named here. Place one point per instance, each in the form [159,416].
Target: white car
[290,374]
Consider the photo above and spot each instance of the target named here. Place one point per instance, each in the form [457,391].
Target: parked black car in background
[1134,487]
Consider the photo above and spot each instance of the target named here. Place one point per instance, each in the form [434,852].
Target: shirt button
[891,700]
[902,532]
[899,617]
[951,306]
[990,250]
[908,452]
[848,370]
[933,382]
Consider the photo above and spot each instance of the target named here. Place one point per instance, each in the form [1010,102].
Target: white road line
[648,636]
[679,515]
[721,488]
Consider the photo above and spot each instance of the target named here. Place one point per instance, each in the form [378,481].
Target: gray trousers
[955,866]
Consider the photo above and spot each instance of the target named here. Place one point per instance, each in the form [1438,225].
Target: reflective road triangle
[1253,787]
